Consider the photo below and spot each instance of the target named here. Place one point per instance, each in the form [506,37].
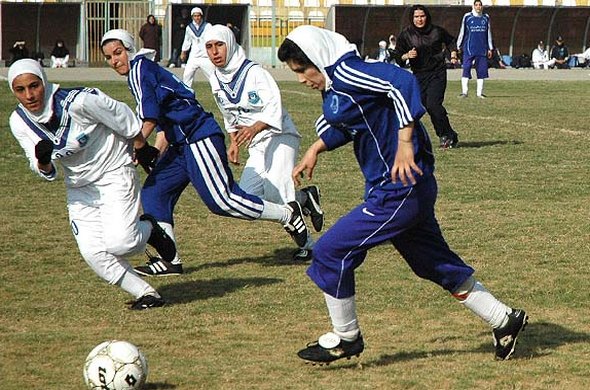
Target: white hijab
[322,47]
[235,56]
[128,43]
[31,66]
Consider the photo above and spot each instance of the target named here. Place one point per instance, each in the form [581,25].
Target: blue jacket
[366,104]
[162,97]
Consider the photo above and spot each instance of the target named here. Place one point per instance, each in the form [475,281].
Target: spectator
[178,31]
[475,43]
[583,58]
[151,35]
[495,61]
[236,31]
[193,41]
[19,51]
[60,55]
[540,57]
[560,53]
[381,54]
[422,44]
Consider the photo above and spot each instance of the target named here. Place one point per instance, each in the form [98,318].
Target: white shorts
[195,63]
[104,217]
[267,172]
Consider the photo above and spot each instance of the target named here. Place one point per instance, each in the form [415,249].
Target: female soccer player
[250,102]
[377,107]
[91,135]
[196,152]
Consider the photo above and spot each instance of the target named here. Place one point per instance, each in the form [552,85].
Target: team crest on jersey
[334,105]
[253,97]
[82,139]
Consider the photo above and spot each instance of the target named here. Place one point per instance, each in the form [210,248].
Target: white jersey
[253,97]
[193,40]
[92,137]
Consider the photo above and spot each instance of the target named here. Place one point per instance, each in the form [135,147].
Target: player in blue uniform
[475,42]
[196,153]
[377,107]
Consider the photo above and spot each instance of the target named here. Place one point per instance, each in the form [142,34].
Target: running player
[475,42]
[196,154]
[90,135]
[194,42]
[377,107]
[250,102]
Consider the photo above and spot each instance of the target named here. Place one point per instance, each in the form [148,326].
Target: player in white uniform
[193,41]
[91,135]
[253,114]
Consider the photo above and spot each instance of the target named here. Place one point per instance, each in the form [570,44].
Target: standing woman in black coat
[423,44]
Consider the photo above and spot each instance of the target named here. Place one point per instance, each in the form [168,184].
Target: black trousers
[432,90]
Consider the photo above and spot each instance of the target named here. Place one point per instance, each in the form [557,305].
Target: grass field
[513,202]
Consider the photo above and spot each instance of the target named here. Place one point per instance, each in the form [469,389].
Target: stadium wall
[515,30]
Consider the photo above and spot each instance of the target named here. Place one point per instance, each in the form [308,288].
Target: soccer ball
[115,365]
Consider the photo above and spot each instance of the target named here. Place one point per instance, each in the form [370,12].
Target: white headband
[123,36]
[24,66]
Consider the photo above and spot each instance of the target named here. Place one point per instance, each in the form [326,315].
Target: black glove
[147,156]
[43,151]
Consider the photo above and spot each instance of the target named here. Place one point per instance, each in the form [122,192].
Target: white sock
[275,212]
[170,231]
[309,243]
[486,306]
[464,85]
[479,87]
[343,315]
[135,285]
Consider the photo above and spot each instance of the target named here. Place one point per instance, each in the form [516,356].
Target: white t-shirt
[254,98]
[93,138]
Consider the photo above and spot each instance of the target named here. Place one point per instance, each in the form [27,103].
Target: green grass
[513,202]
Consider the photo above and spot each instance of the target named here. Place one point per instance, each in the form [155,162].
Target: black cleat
[158,267]
[296,226]
[147,302]
[160,240]
[505,337]
[313,208]
[331,347]
[302,255]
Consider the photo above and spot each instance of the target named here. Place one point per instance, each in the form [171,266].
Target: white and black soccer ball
[115,365]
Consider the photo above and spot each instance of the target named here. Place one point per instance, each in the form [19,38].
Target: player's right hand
[147,157]
[43,151]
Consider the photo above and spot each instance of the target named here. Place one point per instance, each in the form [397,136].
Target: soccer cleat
[505,337]
[147,302]
[158,267]
[160,240]
[462,96]
[302,254]
[296,226]
[482,96]
[449,142]
[313,208]
[331,347]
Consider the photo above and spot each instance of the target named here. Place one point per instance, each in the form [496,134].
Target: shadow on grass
[279,258]
[196,290]
[483,144]
[158,386]
[537,340]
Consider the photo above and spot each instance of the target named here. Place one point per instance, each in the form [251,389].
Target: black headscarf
[428,26]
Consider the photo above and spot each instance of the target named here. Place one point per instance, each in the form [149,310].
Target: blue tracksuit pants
[406,218]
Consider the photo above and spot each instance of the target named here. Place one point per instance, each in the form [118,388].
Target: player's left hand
[245,134]
[404,165]
[147,156]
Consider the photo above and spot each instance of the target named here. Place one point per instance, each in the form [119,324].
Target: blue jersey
[475,36]
[367,103]
[162,97]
